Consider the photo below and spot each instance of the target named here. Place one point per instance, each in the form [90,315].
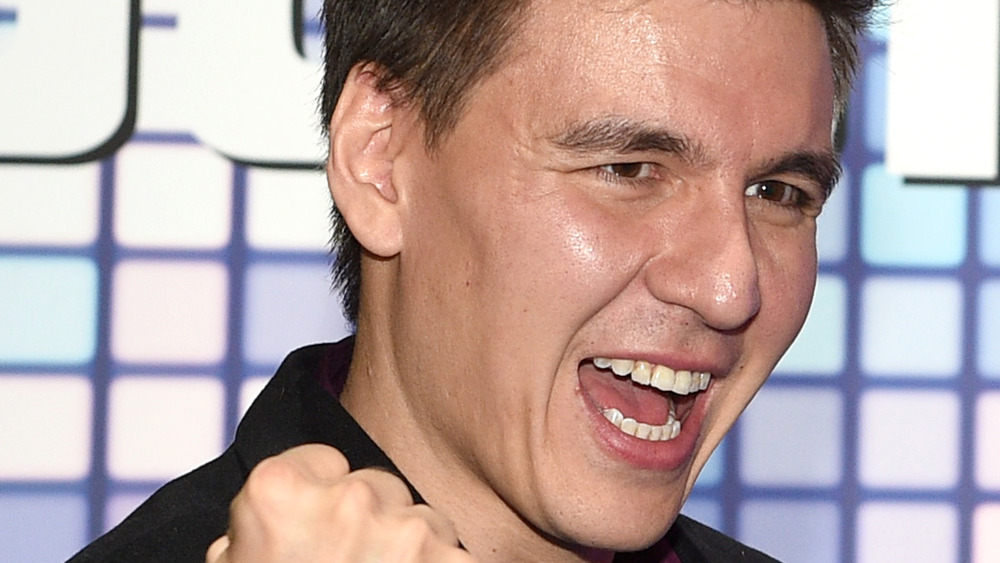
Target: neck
[377,396]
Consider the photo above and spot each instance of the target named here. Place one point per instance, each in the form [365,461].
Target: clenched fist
[305,505]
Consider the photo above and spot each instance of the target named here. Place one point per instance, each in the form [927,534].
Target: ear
[360,165]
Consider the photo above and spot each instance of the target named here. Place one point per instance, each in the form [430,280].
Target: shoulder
[178,522]
[183,517]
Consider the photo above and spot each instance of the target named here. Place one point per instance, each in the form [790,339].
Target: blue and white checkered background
[153,274]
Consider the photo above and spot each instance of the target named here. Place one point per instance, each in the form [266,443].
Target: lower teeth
[641,430]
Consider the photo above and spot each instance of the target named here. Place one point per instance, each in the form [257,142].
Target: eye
[776,192]
[628,170]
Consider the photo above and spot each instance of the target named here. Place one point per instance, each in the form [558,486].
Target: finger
[298,473]
[389,491]
[280,498]
[413,539]
[440,525]
[317,461]
[449,554]
[431,550]
[216,552]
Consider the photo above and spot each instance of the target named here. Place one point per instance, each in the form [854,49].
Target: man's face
[639,182]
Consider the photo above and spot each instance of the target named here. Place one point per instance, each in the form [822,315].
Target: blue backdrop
[162,234]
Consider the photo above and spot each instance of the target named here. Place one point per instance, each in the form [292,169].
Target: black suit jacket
[180,521]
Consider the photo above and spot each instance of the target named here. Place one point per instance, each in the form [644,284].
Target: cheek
[787,282]
[572,247]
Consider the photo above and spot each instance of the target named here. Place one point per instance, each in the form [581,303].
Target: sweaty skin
[523,253]
[639,181]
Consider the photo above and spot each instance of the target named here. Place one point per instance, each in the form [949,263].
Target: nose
[706,262]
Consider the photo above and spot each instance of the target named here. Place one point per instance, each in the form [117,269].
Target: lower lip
[670,455]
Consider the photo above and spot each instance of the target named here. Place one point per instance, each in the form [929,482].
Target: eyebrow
[824,168]
[625,136]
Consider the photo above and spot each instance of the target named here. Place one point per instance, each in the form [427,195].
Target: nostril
[735,297]
[713,269]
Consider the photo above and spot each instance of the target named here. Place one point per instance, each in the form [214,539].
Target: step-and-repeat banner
[163,226]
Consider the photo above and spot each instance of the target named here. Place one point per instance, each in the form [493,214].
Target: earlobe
[360,165]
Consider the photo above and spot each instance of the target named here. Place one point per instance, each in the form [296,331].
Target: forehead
[697,64]
[670,24]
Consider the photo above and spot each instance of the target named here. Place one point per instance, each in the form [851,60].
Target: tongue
[606,390]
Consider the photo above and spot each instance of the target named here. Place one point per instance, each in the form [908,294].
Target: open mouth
[642,399]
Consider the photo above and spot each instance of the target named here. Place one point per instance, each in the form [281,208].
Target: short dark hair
[431,52]
[845,21]
[426,52]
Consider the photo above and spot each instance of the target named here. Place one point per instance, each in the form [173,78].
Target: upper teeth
[681,382]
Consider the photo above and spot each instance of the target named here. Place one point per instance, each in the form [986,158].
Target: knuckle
[274,480]
[440,525]
[326,462]
[417,530]
[357,497]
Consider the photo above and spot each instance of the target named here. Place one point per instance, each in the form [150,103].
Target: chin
[625,538]
[620,527]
